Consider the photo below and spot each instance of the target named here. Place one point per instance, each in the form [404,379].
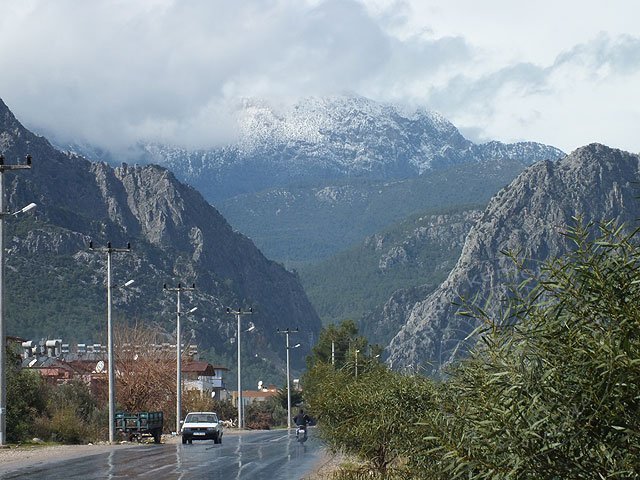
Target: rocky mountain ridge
[352,165]
[595,182]
[176,236]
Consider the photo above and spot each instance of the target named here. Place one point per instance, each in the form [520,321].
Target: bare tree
[145,371]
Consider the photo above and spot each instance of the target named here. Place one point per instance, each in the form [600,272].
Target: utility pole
[286,332]
[109,250]
[238,313]
[178,289]
[3,337]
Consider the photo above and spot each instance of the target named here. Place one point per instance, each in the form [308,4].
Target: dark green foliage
[65,413]
[343,338]
[296,398]
[225,409]
[64,426]
[73,415]
[26,401]
[75,395]
[362,408]
[194,401]
[373,417]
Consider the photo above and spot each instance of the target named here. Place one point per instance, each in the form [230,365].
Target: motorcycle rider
[301,420]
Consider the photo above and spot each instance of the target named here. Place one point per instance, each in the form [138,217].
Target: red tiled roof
[201,367]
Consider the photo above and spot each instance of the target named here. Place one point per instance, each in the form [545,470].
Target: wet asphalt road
[271,455]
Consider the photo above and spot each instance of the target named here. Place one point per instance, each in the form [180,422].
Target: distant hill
[418,252]
[301,225]
[529,216]
[55,286]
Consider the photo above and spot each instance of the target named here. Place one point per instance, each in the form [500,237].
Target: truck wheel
[156,437]
[184,440]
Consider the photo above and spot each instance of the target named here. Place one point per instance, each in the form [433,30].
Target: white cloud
[115,71]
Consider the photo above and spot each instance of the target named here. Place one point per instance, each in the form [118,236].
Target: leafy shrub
[66,427]
[26,401]
[374,417]
[265,415]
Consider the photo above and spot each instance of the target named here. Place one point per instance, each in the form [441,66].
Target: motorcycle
[301,433]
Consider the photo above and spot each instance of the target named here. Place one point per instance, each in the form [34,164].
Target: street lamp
[3,337]
[178,289]
[238,313]
[286,332]
[109,250]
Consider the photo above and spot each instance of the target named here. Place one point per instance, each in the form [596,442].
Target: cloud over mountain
[111,72]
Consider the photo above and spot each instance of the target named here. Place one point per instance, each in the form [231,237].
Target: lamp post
[238,313]
[109,250]
[357,362]
[178,289]
[3,337]
[286,332]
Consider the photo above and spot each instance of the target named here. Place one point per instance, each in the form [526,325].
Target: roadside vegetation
[551,391]
[62,413]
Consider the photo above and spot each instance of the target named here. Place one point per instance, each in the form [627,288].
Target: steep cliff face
[529,216]
[176,237]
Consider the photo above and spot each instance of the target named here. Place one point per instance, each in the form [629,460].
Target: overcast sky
[109,72]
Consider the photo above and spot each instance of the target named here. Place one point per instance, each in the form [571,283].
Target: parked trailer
[134,426]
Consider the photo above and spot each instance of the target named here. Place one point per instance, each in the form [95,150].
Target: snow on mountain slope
[330,138]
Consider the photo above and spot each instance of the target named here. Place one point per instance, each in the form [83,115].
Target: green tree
[283,399]
[374,417]
[362,408]
[26,401]
[553,390]
[337,342]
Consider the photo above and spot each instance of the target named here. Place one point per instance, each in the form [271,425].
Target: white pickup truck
[201,426]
